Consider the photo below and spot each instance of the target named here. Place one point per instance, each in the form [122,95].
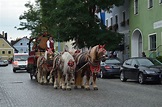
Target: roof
[1,36]
[13,42]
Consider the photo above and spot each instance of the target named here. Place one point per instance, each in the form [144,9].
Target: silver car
[3,62]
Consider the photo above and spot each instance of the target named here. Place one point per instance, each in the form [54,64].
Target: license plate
[22,68]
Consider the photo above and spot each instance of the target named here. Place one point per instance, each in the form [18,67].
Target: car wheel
[102,75]
[122,77]
[141,78]
[14,70]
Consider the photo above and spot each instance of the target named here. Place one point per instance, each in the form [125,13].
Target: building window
[152,42]
[111,19]
[3,45]
[9,52]
[150,4]
[107,22]
[123,20]
[21,43]
[160,1]
[124,16]
[3,52]
[135,6]
[116,19]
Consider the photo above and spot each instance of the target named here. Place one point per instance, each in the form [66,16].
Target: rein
[94,63]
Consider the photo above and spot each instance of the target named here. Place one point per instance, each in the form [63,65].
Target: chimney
[3,33]
[6,36]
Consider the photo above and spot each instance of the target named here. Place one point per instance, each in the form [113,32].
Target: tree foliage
[75,20]
[32,19]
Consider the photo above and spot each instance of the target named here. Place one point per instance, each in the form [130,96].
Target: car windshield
[21,57]
[148,62]
[112,61]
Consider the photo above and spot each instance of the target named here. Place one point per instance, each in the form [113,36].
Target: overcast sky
[10,10]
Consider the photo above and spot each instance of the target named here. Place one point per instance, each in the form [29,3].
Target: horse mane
[93,53]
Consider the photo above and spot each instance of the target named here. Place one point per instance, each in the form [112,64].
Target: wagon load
[42,43]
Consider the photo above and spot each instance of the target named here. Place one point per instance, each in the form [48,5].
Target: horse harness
[57,62]
[94,66]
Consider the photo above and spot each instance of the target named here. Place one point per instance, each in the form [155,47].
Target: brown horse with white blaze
[88,65]
[44,67]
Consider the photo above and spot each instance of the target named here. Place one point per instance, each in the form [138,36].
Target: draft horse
[68,70]
[44,67]
[88,65]
[56,70]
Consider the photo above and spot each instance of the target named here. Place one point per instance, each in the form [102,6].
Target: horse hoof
[55,88]
[82,87]
[63,89]
[95,88]
[87,89]
[75,87]
[68,89]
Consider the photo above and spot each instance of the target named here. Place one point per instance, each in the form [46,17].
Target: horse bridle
[96,61]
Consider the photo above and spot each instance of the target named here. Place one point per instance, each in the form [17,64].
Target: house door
[136,44]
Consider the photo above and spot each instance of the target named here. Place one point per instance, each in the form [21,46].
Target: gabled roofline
[1,36]
[16,41]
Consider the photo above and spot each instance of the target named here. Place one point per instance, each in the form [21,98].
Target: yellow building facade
[6,50]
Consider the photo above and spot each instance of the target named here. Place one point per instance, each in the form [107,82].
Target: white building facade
[118,20]
[22,45]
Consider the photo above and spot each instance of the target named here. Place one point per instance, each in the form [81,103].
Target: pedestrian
[143,54]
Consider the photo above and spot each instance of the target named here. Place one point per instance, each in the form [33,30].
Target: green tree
[31,19]
[74,20]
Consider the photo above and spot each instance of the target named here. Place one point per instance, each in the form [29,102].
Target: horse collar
[95,63]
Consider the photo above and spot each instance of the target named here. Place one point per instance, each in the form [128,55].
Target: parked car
[3,62]
[142,69]
[110,67]
[20,61]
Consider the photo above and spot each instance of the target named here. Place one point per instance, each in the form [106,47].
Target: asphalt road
[17,90]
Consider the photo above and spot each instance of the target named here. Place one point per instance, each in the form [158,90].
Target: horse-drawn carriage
[64,66]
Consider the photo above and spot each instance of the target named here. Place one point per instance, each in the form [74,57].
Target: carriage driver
[50,46]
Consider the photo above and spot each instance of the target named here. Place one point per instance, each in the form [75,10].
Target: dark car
[110,67]
[142,69]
